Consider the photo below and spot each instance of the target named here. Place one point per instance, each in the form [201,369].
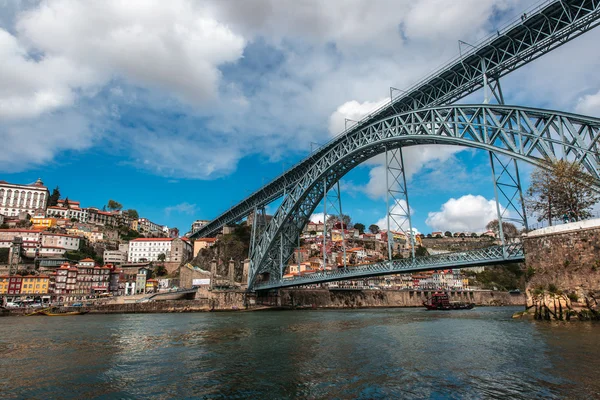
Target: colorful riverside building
[32,284]
[3,284]
[14,284]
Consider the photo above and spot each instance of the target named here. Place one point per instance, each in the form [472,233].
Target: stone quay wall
[324,298]
[564,261]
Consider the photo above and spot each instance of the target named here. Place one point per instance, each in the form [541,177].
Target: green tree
[4,255]
[54,197]
[160,270]
[421,251]
[360,227]
[133,214]
[114,205]
[162,257]
[563,190]
[448,234]
[373,228]
[509,230]
[66,203]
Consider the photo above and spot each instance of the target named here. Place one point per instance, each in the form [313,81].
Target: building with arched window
[15,199]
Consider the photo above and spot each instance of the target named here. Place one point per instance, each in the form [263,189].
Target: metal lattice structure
[545,28]
[492,255]
[532,135]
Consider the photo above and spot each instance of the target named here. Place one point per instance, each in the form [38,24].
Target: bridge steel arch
[547,27]
[528,134]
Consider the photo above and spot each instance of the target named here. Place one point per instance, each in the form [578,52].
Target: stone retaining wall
[565,263]
[388,298]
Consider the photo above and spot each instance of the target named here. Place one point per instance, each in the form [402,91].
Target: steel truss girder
[545,29]
[529,134]
[492,255]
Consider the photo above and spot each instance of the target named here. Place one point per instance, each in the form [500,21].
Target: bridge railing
[509,253]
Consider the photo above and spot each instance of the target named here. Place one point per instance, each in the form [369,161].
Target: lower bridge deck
[511,253]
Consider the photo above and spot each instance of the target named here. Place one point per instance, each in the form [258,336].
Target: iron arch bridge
[528,134]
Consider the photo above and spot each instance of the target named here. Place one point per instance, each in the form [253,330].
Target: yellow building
[3,284]
[41,222]
[35,284]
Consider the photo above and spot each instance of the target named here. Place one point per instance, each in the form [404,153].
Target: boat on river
[441,301]
[63,314]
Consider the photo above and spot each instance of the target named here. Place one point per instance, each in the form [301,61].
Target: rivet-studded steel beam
[547,27]
[528,134]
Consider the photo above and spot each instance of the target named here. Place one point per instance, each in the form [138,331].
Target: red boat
[441,301]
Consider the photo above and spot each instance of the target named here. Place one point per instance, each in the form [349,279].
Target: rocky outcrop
[563,263]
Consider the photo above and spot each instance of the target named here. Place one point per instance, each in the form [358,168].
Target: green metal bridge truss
[528,134]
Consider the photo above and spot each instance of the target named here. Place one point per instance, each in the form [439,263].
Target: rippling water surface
[370,354]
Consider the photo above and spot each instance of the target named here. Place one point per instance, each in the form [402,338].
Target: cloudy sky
[181,108]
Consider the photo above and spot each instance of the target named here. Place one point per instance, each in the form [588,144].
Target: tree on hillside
[66,203]
[133,214]
[160,270]
[162,257]
[509,230]
[360,227]
[114,205]
[339,222]
[421,251]
[4,254]
[564,190]
[373,228]
[53,198]
[448,234]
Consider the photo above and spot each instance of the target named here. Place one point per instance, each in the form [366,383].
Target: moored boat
[441,301]
[63,314]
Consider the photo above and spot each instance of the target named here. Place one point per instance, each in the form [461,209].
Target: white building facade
[115,257]
[15,199]
[148,249]
[81,214]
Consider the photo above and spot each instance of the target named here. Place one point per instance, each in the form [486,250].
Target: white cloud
[175,45]
[34,144]
[354,111]
[30,87]
[317,217]
[182,208]
[415,159]
[397,221]
[589,104]
[466,214]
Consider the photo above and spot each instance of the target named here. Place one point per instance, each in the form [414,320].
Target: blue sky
[180,109]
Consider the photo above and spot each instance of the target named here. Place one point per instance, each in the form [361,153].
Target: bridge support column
[507,183]
[259,223]
[398,207]
[508,189]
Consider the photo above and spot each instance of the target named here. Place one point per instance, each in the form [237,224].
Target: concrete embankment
[323,298]
[295,298]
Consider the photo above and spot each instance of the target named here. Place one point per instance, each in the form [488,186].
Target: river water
[369,354]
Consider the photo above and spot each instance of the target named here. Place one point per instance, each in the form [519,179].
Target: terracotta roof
[86,260]
[22,230]
[59,234]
